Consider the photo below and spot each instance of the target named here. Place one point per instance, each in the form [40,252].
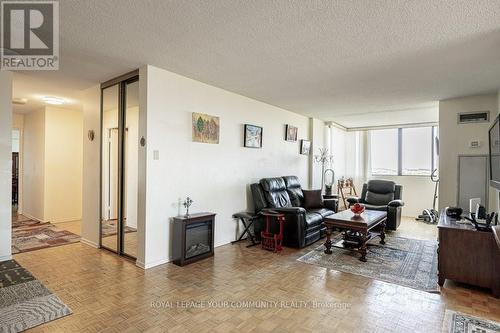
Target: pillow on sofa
[312,199]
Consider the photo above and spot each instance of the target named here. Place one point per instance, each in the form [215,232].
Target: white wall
[63,164]
[215,176]
[5,164]
[52,165]
[454,140]
[34,165]
[318,134]
[91,165]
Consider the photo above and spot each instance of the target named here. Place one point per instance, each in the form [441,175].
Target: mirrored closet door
[119,169]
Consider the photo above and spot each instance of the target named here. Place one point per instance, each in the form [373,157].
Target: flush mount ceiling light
[53,100]
[19,101]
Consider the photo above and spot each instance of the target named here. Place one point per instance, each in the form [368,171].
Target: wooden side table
[270,241]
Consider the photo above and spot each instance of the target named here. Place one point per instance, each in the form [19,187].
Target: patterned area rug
[109,228]
[407,262]
[24,301]
[29,235]
[455,322]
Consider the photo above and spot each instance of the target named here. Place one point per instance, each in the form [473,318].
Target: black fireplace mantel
[193,238]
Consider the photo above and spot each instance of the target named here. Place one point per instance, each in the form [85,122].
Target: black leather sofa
[383,195]
[284,194]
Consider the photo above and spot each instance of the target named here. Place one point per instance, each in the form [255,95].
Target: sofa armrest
[295,225]
[287,210]
[396,203]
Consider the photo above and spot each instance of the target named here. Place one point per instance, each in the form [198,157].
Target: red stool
[270,241]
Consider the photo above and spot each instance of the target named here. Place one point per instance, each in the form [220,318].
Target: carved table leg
[382,233]
[362,249]
[328,242]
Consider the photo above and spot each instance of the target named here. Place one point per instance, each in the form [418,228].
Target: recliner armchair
[383,195]
[284,195]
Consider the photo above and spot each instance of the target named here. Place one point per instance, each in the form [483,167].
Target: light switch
[156,155]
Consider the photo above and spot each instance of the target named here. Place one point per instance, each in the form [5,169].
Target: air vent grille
[474,117]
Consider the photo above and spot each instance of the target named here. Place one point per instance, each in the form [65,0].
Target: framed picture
[291,133]
[253,136]
[305,147]
[206,128]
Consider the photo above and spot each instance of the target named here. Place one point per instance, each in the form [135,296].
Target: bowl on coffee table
[357,209]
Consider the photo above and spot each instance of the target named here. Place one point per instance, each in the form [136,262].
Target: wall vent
[474,117]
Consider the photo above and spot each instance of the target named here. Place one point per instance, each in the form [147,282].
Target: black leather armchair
[382,195]
[284,195]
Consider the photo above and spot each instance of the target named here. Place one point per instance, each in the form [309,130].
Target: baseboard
[151,264]
[5,258]
[31,217]
[89,243]
[69,219]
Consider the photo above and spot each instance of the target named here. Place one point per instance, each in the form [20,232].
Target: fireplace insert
[193,238]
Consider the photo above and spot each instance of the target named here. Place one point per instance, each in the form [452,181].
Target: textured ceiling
[326,59]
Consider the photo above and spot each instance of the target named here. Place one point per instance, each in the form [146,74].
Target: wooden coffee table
[358,230]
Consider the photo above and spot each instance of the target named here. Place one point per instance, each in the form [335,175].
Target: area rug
[403,261]
[455,322]
[109,228]
[32,235]
[24,301]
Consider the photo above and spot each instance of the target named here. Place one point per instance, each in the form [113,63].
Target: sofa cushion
[322,211]
[381,186]
[313,219]
[258,196]
[378,199]
[275,192]
[294,190]
[312,199]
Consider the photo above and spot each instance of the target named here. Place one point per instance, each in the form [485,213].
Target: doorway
[119,169]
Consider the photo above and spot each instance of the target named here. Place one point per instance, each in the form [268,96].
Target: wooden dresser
[468,256]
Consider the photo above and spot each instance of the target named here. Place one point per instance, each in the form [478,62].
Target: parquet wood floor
[110,294]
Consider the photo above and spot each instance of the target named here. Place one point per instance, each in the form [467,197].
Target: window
[403,151]
[416,151]
[384,152]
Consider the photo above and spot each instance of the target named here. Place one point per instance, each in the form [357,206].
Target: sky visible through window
[384,151]
[416,151]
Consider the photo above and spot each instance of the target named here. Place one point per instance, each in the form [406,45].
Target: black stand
[247,220]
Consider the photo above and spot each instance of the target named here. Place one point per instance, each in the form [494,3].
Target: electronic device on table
[481,220]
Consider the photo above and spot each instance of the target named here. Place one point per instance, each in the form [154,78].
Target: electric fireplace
[193,238]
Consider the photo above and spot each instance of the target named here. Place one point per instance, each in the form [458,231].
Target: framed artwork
[305,147]
[253,136]
[291,133]
[206,128]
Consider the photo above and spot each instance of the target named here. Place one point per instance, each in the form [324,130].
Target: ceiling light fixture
[19,101]
[53,100]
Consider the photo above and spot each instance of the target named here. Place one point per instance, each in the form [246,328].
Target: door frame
[122,81]
[487,172]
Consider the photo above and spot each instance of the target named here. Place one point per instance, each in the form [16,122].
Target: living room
[289,118]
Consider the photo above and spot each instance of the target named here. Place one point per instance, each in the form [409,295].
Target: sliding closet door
[120,151]
[110,168]
[130,168]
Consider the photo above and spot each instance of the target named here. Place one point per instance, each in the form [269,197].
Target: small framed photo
[305,147]
[291,133]
[253,136]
